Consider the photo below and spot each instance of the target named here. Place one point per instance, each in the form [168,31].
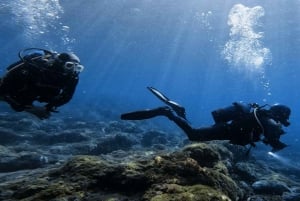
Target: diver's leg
[215,132]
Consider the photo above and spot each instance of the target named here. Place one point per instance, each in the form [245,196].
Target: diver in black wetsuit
[240,123]
[43,76]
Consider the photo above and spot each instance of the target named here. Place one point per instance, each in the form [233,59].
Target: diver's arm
[272,133]
[277,145]
[64,97]
[39,111]
[15,105]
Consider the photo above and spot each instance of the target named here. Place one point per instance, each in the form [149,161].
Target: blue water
[203,54]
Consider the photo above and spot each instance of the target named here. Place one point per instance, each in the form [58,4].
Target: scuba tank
[36,57]
[235,111]
[34,53]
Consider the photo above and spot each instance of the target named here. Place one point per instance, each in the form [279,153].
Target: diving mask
[73,67]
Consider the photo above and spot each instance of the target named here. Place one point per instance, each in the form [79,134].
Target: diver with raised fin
[241,124]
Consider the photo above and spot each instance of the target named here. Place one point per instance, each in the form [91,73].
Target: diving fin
[137,115]
[180,111]
[147,114]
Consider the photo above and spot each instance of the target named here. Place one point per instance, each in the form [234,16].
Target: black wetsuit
[246,128]
[245,125]
[26,82]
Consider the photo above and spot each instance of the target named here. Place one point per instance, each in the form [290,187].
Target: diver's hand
[277,146]
[39,111]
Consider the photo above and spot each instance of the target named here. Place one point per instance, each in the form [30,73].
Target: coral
[174,192]
[248,172]
[134,163]
[270,187]
[204,154]
[153,137]
[174,176]
[111,144]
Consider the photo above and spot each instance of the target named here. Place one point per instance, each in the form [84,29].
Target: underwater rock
[264,198]
[173,176]
[222,148]
[176,192]
[153,137]
[294,195]
[248,171]
[203,153]
[291,196]
[136,164]
[65,137]
[240,153]
[131,128]
[270,187]
[117,126]
[28,123]
[9,137]
[111,144]
[22,161]
[159,147]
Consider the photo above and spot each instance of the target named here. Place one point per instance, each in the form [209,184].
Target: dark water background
[203,54]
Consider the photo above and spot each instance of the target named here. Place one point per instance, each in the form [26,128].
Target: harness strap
[260,125]
[258,121]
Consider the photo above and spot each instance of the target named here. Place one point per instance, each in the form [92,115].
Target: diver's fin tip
[175,106]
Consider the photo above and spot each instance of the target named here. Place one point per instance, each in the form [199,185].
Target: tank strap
[257,120]
[11,68]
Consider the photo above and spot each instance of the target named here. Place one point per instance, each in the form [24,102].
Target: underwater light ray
[284,160]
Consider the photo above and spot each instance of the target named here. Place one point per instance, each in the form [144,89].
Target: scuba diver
[43,76]
[240,123]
